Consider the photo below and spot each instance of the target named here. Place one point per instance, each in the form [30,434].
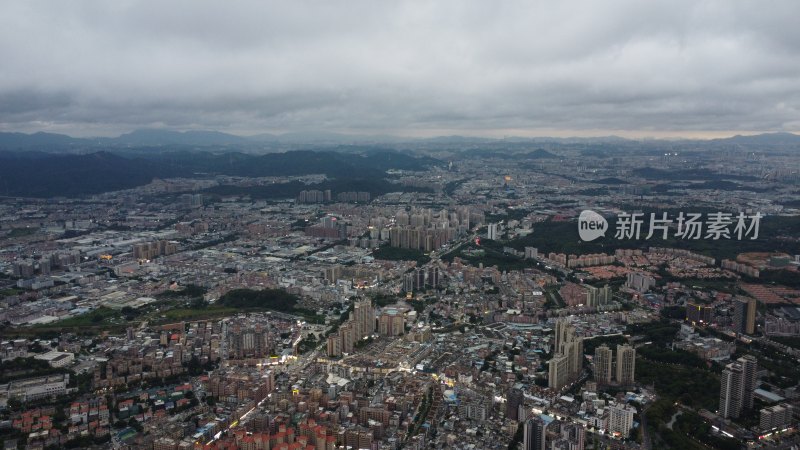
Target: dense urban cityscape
[304,225]
[458,308]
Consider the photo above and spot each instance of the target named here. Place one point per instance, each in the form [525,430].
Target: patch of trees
[562,237]
[190,290]
[689,431]
[659,333]
[787,340]
[272,299]
[695,387]
[665,355]
[382,300]
[87,441]
[401,254]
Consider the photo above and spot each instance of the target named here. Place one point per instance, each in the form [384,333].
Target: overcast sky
[528,68]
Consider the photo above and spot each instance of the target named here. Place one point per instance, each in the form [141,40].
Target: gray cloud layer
[413,68]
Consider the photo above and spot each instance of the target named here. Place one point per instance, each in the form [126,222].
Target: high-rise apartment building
[731,391]
[334,345]
[568,351]
[360,325]
[348,335]
[515,399]
[699,313]
[563,330]
[408,282]
[598,296]
[391,322]
[419,279]
[749,368]
[363,318]
[574,351]
[744,315]
[433,276]
[573,437]
[534,434]
[737,384]
[603,357]
[620,419]
[626,364]
[491,233]
[247,343]
[640,282]
[558,375]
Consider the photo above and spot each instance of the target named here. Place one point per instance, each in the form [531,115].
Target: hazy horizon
[515,134]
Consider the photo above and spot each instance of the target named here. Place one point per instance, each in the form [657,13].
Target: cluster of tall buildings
[29,267]
[426,230]
[191,200]
[151,250]
[249,342]
[314,196]
[699,313]
[781,326]
[493,231]
[743,320]
[640,282]
[544,432]
[418,279]
[775,417]
[740,268]
[391,322]
[609,371]
[586,295]
[425,239]
[558,258]
[594,259]
[194,227]
[353,197]
[329,227]
[326,196]
[567,362]
[737,384]
[26,268]
[598,296]
[424,217]
[359,325]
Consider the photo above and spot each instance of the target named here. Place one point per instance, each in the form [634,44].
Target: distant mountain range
[166,137]
[37,174]
[772,139]
[51,142]
[16,141]
[161,138]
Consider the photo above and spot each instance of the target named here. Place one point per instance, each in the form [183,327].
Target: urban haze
[399,225]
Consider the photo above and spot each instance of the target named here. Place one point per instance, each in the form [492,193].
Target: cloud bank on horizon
[409,68]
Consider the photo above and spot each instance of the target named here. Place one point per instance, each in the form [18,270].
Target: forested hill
[33,174]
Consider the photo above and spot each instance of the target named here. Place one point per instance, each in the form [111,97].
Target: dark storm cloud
[401,67]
